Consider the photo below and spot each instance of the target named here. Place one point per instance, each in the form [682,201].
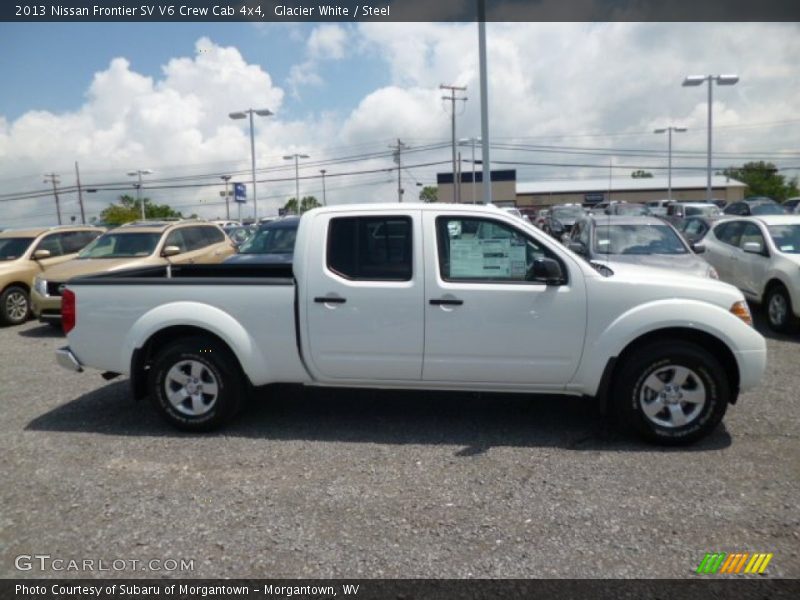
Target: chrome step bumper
[68,360]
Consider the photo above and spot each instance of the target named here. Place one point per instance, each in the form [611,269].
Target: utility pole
[226,179]
[53,178]
[398,149]
[80,193]
[452,98]
[324,195]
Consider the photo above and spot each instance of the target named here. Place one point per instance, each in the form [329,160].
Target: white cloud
[325,43]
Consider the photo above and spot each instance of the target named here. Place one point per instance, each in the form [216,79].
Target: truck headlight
[741,310]
[40,285]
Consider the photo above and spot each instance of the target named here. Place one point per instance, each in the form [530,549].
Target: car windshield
[786,237]
[567,212]
[631,209]
[702,210]
[12,248]
[767,209]
[121,245]
[271,240]
[637,239]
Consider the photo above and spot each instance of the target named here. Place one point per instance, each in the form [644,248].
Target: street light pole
[296,157]
[261,112]
[695,80]
[324,195]
[226,179]
[472,141]
[138,173]
[669,131]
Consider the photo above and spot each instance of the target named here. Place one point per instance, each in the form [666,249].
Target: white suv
[761,256]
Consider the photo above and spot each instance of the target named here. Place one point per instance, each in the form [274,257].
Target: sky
[566,101]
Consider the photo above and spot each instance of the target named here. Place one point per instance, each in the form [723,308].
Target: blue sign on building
[239,192]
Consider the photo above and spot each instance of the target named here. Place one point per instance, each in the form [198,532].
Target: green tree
[640,174]
[307,203]
[430,193]
[762,179]
[129,210]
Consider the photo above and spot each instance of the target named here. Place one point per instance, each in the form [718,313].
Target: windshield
[271,240]
[567,212]
[12,248]
[702,210]
[786,237]
[767,209]
[121,245]
[637,239]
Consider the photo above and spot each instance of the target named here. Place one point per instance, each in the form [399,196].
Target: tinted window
[786,237]
[52,243]
[74,241]
[121,245]
[751,233]
[767,209]
[377,248]
[11,248]
[175,238]
[694,227]
[729,233]
[737,208]
[195,238]
[496,252]
[213,235]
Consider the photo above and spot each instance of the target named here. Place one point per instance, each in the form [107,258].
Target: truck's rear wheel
[195,384]
[671,392]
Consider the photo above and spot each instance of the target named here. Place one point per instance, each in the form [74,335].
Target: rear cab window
[371,248]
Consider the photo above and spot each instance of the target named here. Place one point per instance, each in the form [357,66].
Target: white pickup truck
[445,297]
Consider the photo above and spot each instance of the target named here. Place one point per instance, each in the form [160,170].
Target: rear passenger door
[364,301]
[722,248]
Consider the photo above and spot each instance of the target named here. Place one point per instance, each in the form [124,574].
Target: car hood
[88,266]
[259,259]
[686,264]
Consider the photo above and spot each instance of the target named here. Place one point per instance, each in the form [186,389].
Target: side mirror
[548,270]
[577,248]
[753,248]
[170,251]
[40,254]
[698,248]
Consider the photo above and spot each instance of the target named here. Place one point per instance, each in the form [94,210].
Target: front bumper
[752,365]
[66,359]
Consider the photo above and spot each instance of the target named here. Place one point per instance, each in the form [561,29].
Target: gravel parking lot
[319,483]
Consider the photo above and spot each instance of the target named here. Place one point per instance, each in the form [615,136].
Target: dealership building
[506,190]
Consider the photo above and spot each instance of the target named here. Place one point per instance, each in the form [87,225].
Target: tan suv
[137,244]
[26,252]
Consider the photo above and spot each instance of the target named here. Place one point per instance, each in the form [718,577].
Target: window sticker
[476,258]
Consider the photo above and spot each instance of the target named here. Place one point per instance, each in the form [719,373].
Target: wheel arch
[703,339]
[21,284]
[142,357]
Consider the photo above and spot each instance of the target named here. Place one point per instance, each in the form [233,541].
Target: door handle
[446,302]
[329,300]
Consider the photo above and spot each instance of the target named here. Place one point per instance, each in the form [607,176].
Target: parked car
[693,229]
[646,241]
[746,208]
[226,224]
[273,243]
[792,205]
[26,252]
[761,256]
[383,296]
[541,217]
[630,209]
[677,212]
[561,219]
[136,244]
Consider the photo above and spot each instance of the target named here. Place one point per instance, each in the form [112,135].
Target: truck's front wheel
[195,384]
[671,392]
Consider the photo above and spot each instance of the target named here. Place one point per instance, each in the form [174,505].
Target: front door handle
[446,302]
[329,300]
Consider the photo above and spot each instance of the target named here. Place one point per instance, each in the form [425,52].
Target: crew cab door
[486,321]
[364,303]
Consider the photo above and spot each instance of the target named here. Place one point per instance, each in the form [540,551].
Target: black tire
[201,362]
[778,308]
[686,371]
[15,305]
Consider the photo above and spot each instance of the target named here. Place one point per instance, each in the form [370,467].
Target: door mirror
[547,270]
[753,248]
[698,248]
[577,248]
[40,254]
[170,251]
